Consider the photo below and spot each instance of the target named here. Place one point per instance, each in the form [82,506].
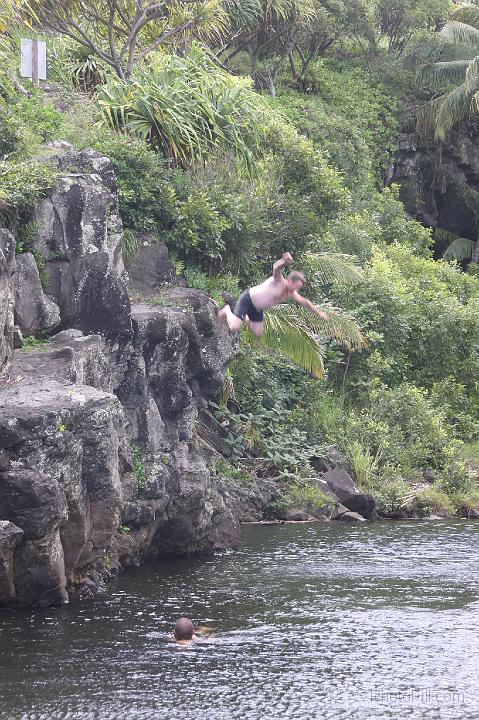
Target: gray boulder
[81,215]
[80,236]
[151,270]
[333,460]
[18,339]
[31,501]
[341,483]
[361,503]
[40,578]
[35,313]
[297,515]
[7,270]
[91,296]
[342,514]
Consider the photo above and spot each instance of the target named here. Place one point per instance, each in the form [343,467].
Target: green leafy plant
[304,495]
[138,467]
[29,341]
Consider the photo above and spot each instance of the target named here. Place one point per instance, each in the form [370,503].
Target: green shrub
[402,427]
[198,229]
[29,341]
[459,406]
[431,500]
[466,503]
[305,172]
[25,123]
[21,184]
[214,286]
[390,492]
[225,470]
[147,193]
[304,495]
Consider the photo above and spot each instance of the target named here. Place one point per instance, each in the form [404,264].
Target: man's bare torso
[268,293]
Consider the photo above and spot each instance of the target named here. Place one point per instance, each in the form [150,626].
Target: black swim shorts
[244,307]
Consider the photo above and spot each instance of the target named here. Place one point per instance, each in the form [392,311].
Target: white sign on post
[33,62]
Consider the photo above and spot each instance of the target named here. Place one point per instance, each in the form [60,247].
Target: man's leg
[257,328]
[234,322]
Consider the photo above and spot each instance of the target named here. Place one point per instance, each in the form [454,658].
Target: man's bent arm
[309,305]
[279,265]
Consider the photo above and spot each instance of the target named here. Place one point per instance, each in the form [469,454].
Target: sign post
[33,62]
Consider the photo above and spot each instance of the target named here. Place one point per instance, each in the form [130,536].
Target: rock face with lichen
[7,269]
[100,464]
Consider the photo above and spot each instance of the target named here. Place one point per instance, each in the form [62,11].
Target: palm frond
[441,114]
[436,75]
[468,15]
[243,13]
[455,107]
[299,334]
[339,327]
[460,33]
[340,268]
[459,249]
[289,335]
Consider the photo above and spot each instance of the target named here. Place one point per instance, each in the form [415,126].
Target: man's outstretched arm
[287,259]
[310,305]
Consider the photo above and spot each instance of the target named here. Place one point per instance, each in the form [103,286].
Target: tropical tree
[263,29]
[400,20]
[187,108]
[455,74]
[123,32]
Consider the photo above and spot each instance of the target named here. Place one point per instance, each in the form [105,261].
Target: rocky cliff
[100,465]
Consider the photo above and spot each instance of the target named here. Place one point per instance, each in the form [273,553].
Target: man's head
[295,280]
[184,629]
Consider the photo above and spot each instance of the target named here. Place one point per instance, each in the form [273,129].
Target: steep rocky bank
[434,180]
[101,465]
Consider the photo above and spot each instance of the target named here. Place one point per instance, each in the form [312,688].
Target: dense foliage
[230,178]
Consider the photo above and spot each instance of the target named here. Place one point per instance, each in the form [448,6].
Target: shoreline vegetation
[251,131]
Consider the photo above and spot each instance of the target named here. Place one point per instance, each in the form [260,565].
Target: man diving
[273,291]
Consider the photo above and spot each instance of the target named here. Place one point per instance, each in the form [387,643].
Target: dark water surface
[311,621]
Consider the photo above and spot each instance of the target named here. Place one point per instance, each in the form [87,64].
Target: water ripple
[311,621]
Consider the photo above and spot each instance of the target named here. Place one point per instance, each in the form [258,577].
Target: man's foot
[222,314]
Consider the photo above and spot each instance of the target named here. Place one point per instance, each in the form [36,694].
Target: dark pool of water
[311,621]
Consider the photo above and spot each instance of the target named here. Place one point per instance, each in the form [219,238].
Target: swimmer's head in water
[184,629]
